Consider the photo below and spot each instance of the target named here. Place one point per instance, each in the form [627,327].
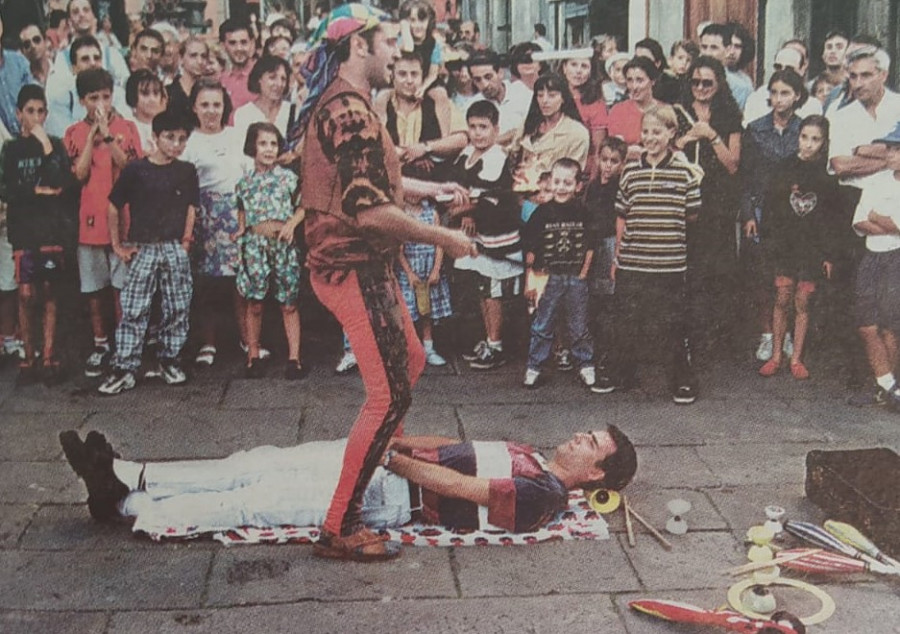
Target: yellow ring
[604,500]
[738,589]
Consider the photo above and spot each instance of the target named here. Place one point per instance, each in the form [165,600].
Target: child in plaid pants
[163,194]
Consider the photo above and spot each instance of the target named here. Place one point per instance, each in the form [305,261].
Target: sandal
[769,368]
[363,546]
[798,370]
[206,356]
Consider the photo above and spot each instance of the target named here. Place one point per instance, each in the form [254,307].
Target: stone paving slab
[14,518]
[322,421]
[37,483]
[32,437]
[53,622]
[278,574]
[674,467]
[760,463]
[581,614]
[695,560]
[168,577]
[190,433]
[543,569]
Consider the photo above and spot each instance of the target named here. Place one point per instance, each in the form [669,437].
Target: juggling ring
[737,590]
[603,500]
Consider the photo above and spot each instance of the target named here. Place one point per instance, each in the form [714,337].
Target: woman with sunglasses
[710,135]
[767,141]
[553,129]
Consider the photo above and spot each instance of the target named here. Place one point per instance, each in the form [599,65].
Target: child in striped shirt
[658,195]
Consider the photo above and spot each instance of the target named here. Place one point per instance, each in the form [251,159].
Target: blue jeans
[571,292]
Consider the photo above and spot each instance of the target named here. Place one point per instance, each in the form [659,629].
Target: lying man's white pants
[266,486]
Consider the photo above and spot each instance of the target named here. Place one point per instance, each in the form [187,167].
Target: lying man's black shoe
[92,461]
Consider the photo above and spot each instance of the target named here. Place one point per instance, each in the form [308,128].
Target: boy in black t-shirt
[163,194]
[37,184]
[559,240]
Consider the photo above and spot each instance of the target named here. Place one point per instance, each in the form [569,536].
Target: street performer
[352,193]
[435,480]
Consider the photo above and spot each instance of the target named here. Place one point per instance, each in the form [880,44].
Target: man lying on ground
[436,480]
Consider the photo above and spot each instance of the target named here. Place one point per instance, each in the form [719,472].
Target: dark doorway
[610,17]
[827,16]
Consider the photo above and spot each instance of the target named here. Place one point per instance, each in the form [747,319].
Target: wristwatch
[109,138]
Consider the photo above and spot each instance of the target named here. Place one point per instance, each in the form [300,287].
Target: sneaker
[588,376]
[153,372]
[491,358]
[92,461]
[684,393]
[346,364]
[117,382]
[294,371]
[264,353]
[766,345]
[531,378]
[892,398]
[171,372]
[607,383]
[14,348]
[97,361]
[476,353]
[874,395]
[433,358]
[564,360]
[788,347]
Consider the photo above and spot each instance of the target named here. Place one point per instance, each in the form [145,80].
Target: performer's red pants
[369,306]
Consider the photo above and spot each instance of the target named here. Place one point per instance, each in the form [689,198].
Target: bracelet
[716,140]
[109,138]
[388,456]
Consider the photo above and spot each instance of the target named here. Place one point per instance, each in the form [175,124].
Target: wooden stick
[662,540]
[629,527]
[759,565]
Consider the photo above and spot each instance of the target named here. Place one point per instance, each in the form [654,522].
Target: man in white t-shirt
[877,302]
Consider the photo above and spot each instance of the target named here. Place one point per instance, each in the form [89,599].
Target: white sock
[495,345]
[768,336]
[886,381]
[428,344]
[101,342]
[129,473]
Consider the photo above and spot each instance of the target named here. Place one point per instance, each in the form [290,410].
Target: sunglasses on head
[706,83]
[783,67]
[32,41]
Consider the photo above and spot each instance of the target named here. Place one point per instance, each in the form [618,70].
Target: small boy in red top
[99,146]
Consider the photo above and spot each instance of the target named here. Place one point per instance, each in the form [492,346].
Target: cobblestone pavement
[740,447]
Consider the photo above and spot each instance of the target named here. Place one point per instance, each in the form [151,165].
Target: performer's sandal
[362,546]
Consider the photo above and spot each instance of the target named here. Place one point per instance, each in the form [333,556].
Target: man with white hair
[61,81]
[758,103]
[872,114]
